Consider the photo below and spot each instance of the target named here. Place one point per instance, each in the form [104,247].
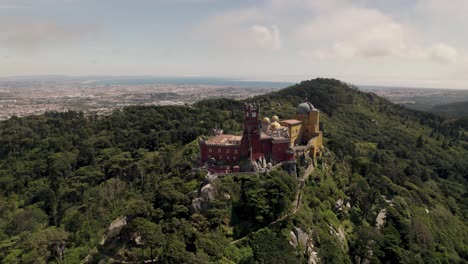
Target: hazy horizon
[205,80]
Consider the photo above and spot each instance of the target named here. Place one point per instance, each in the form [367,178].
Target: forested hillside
[391,187]
[458,109]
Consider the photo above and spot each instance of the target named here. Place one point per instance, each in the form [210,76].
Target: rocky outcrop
[380,220]
[340,234]
[114,228]
[206,194]
[301,239]
[57,248]
[260,165]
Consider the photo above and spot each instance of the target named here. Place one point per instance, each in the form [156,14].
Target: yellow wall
[294,132]
[310,130]
[310,125]
[314,121]
[316,144]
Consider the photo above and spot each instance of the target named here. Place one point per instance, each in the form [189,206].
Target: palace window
[227,150]
[219,150]
[235,151]
[228,157]
[210,150]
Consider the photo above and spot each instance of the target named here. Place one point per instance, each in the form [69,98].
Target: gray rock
[136,238]
[207,192]
[340,234]
[339,205]
[380,220]
[293,239]
[299,237]
[198,204]
[114,228]
[313,256]
[302,237]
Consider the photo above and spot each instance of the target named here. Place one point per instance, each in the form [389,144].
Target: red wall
[219,152]
[279,151]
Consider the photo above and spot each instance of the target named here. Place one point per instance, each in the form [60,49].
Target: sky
[415,43]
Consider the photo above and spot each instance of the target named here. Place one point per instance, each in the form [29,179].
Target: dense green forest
[101,189]
[457,109]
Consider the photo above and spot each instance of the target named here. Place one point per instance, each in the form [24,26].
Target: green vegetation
[64,178]
[457,109]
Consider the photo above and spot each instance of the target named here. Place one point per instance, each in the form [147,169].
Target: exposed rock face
[380,220]
[302,237]
[206,194]
[198,204]
[340,234]
[293,240]
[137,239]
[260,165]
[303,240]
[57,249]
[114,228]
[313,256]
[339,205]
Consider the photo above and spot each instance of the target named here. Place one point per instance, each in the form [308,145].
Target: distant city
[424,99]
[22,96]
[101,95]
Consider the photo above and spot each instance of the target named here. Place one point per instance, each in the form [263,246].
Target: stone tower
[309,116]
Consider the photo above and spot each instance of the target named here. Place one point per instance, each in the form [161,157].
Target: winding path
[296,203]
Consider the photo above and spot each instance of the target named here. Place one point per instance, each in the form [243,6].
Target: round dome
[275,125]
[275,118]
[266,120]
[305,108]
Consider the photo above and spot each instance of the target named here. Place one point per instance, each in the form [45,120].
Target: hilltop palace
[265,143]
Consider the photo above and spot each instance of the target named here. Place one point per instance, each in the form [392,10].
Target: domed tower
[309,116]
[265,124]
[275,125]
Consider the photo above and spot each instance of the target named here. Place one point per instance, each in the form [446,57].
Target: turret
[309,116]
[251,121]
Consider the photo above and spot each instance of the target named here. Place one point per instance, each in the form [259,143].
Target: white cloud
[265,37]
[443,52]
[312,5]
[32,35]
[452,11]
[239,30]
[360,32]
[354,32]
